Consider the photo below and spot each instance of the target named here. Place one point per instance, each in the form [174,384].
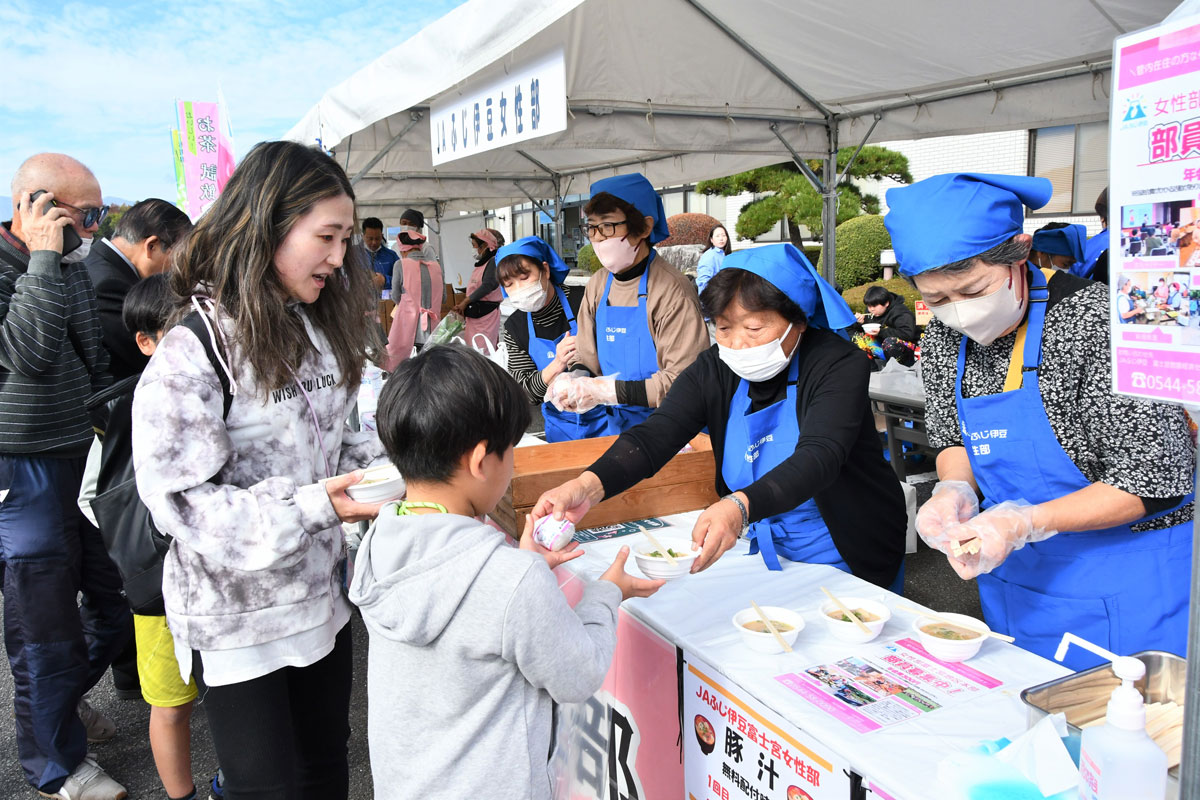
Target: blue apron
[754,445]
[624,345]
[563,426]
[1121,590]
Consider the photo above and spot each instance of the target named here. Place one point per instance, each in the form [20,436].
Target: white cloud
[100,82]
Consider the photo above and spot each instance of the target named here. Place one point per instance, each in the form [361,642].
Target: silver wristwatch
[737,501]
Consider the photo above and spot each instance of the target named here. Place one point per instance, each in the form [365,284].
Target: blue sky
[99,80]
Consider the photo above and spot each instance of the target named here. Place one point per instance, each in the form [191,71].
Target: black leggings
[284,736]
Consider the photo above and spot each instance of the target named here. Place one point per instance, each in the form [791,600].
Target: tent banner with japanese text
[1154,212]
[204,155]
[623,742]
[735,748]
[527,102]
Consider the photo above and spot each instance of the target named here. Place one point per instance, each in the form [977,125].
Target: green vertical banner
[180,180]
[188,123]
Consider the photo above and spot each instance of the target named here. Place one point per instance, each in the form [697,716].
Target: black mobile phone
[71,239]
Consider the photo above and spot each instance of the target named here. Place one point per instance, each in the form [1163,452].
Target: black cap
[415,217]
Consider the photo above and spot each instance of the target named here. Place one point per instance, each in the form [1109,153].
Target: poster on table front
[1154,212]
[623,742]
[735,748]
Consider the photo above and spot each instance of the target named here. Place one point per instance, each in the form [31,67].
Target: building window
[1075,160]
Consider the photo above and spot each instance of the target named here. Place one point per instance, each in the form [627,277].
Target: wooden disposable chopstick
[954,623]
[787,648]
[853,618]
[666,553]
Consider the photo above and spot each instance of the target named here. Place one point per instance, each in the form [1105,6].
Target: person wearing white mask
[639,322]
[540,335]
[784,398]
[1086,520]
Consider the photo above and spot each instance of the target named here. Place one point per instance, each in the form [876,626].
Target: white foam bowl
[657,567]
[848,631]
[766,642]
[951,650]
[378,486]
[871,328]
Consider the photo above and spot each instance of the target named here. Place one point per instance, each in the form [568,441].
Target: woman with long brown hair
[239,433]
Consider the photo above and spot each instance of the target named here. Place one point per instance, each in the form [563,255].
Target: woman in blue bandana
[1059,246]
[1071,518]
[639,322]
[540,334]
[784,398]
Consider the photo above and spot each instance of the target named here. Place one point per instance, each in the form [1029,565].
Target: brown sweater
[675,324]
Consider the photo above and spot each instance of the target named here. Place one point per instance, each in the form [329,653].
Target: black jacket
[113,278]
[838,459]
[898,322]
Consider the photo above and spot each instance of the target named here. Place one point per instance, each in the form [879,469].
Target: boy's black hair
[752,291]
[148,305]
[437,406]
[877,296]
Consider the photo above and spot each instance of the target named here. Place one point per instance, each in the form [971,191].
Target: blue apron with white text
[754,445]
[1121,590]
[563,426]
[625,348]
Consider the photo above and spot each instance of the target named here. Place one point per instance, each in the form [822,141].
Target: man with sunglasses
[51,360]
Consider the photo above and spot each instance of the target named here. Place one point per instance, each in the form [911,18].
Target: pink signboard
[204,155]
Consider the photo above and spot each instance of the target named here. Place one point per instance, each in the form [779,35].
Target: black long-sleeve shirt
[548,323]
[837,460]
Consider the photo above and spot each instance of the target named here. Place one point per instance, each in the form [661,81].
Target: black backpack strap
[196,325]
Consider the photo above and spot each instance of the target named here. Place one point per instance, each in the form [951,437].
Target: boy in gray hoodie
[471,638]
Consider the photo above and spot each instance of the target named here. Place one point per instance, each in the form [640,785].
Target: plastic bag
[451,325]
[899,379]
[497,355]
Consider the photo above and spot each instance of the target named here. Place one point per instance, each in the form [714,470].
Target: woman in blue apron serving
[639,322]
[784,397]
[1085,495]
[540,334]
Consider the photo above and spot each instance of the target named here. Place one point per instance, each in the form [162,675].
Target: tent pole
[414,118]
[861,145]
[829,211]
[1189,770]
[816,182]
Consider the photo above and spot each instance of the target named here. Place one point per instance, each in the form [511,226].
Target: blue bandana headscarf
[537,249]
[637,191]
[786,268]
[959,215]
[1068,241]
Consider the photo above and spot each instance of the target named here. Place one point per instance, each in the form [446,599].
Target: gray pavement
[928,580]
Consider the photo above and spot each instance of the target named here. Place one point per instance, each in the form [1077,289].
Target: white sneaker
[99,727]
[89,782]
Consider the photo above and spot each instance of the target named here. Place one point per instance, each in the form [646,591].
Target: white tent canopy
[684,90]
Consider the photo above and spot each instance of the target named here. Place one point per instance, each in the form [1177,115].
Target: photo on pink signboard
[1155,297]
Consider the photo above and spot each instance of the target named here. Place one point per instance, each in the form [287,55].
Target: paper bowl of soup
[956,641]
[653,562]
[755,634]
[871,328]
[872,613]
[378,486]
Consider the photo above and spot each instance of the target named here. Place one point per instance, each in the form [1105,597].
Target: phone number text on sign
[1158,375]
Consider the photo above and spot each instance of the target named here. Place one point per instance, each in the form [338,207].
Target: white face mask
[617,255]
[531,298]
[984,319]
[759,363]
[79,253]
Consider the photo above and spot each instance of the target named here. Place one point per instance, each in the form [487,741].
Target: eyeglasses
[605,229]
[91,216]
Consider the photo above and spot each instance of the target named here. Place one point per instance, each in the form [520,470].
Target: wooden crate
[685,483]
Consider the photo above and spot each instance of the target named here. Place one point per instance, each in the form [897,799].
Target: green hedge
[898,285]
[586,259]
[859,241]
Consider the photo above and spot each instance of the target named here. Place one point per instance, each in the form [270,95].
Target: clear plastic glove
[592,392]
[982,543]
[952,502]
[561,392]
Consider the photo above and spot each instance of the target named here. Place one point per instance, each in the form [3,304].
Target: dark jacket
[898,322]
[51,356]
[837,460]
[113,277]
